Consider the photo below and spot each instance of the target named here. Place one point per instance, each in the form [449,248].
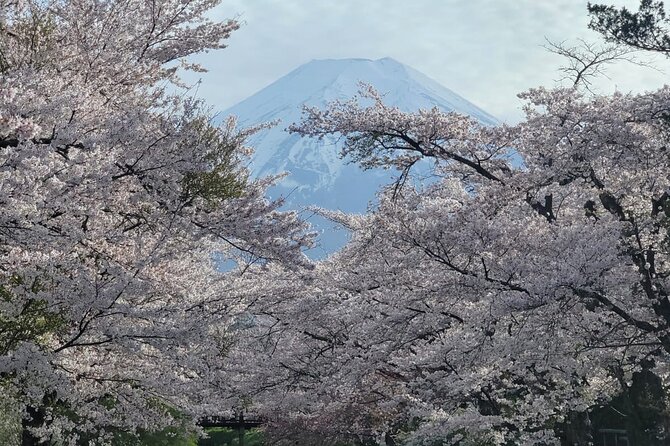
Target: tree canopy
[527,284]
[522,289]
[117,190]
[647,29]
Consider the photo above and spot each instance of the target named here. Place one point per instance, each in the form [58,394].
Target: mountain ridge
[318,177]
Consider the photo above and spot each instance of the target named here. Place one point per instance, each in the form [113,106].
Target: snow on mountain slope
[318,177]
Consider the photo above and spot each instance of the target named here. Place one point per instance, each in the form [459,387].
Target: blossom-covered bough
[528,283]
[115,191]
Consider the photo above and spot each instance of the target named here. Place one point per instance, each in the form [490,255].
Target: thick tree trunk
[578,430]
[37,418]
[240,430]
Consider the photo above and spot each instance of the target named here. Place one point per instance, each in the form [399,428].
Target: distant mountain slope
[318,176]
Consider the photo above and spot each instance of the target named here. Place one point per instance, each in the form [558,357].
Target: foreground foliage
[525,287]
[115,194]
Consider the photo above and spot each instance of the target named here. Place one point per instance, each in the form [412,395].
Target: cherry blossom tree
[116,192]
[528,283]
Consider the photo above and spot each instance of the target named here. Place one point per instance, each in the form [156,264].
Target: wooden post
[240,429]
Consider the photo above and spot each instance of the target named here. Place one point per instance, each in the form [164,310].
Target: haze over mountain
[318,177]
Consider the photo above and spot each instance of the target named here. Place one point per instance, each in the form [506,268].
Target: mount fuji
[317,175]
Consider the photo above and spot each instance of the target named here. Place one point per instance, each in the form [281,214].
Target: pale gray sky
[485,50]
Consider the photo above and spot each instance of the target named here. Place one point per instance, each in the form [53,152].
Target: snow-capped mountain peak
[318,177]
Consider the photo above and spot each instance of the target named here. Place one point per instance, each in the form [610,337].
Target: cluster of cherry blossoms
[117,191]
[527,284]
